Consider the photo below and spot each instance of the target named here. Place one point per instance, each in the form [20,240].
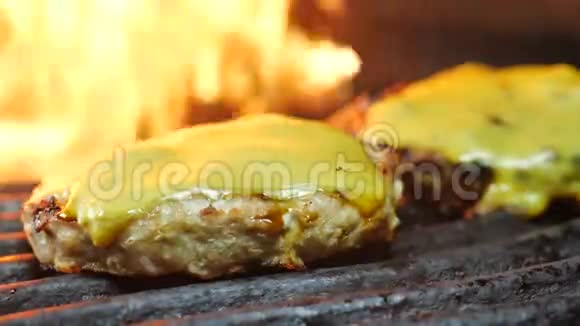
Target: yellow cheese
[270,155]
[523,122]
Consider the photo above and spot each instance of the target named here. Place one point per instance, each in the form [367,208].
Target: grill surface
[494,270]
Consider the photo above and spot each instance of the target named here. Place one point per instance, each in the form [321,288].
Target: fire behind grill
[495,270]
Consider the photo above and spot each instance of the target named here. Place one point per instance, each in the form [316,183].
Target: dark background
[401,40]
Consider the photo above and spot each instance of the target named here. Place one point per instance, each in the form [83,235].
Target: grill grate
[495,270]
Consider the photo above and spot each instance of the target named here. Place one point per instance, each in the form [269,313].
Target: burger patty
[208,238]
[215,199]
[412,168]
[513,130]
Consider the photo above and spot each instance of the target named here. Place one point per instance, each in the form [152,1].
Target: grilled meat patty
[208,238]
[210,228]
[486,138]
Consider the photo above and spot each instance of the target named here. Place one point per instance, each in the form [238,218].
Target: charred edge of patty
[439,194]
[47,210]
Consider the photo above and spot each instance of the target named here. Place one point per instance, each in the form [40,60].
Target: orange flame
[90,74]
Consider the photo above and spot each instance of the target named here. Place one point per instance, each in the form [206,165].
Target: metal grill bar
[20,267]
[555,311]
[9,226]
[444,273]
[549,279]
[553,243]
[53,291]
[14,188]
[13,243]
[11,198]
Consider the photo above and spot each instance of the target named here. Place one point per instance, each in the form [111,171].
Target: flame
[90,74]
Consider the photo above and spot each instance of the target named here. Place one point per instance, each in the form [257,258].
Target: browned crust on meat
[46,210]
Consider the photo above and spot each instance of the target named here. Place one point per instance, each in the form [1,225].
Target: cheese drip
[268,155]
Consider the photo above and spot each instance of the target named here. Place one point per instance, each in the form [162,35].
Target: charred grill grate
[496,270]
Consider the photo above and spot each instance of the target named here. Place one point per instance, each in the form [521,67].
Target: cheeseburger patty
[222,227]
[518,123]
[515,127]
[208,238]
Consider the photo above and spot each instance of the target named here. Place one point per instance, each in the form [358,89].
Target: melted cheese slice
[279,157]
[523,122]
